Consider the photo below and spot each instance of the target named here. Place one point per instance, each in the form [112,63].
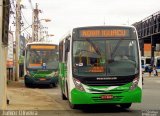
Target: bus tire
[51,85]
[73,106]
[63,96]
[55,84]
[126,105]
[27,84]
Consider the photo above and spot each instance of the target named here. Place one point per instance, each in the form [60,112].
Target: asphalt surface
[150,105]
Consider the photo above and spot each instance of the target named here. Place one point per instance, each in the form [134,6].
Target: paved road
[150,103]
[49,100]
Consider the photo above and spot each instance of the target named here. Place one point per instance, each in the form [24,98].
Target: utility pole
[35,26]
[17,36]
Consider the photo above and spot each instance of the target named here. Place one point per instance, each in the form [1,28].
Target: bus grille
[105,83]
[108,92]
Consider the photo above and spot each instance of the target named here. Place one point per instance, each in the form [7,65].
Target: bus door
[67,65]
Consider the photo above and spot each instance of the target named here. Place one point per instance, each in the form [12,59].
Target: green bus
[100,65]
[41,64]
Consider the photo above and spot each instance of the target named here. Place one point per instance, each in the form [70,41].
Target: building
[10,51]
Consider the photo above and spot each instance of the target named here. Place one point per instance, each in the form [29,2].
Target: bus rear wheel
[126,105]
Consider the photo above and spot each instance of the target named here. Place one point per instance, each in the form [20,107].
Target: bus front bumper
[131,96]
[33,80]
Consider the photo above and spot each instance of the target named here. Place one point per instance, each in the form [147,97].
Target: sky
[67,14]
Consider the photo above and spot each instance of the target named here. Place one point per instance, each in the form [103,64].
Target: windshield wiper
[116,47]
[94,46]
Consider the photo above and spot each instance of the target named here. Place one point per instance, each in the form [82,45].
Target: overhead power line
[24,18]
[31,4]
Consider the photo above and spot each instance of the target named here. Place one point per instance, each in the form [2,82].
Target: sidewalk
[22,98]
[146,74]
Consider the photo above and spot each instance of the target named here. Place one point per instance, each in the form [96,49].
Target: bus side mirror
[67,45]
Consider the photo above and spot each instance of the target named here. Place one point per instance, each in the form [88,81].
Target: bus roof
[115,26]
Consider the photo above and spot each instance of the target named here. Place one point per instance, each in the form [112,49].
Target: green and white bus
[41,64]
[100,65]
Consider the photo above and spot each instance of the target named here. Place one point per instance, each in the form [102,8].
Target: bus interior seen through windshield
[106,57]
[42,59]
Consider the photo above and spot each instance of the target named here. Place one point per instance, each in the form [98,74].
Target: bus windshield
[99,57]
[42,59]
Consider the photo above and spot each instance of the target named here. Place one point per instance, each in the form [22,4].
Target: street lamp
[46,20]
[45,37]
[50,35]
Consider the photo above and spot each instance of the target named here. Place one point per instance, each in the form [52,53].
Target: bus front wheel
[73,106]
[126,105]
[63,96]
[55,84]
[27,84]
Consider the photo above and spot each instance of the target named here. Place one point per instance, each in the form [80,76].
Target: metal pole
[141,42]
[17,35]
[152,50]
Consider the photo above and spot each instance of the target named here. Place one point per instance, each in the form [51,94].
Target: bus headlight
[134,83]
[53,74]
[56,74]
[78,85]
[28,73]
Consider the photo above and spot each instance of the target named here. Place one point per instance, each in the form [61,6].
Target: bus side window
[61,51]
[67,48]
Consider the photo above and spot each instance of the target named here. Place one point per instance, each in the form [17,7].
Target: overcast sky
[66,14]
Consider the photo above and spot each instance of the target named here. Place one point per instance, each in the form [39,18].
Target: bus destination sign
[43,47]
[105,33]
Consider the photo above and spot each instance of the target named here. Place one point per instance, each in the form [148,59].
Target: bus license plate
[42,79]
[106,97]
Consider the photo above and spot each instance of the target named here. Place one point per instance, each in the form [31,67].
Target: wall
[3,86]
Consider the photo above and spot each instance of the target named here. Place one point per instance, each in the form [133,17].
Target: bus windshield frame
[100,56]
